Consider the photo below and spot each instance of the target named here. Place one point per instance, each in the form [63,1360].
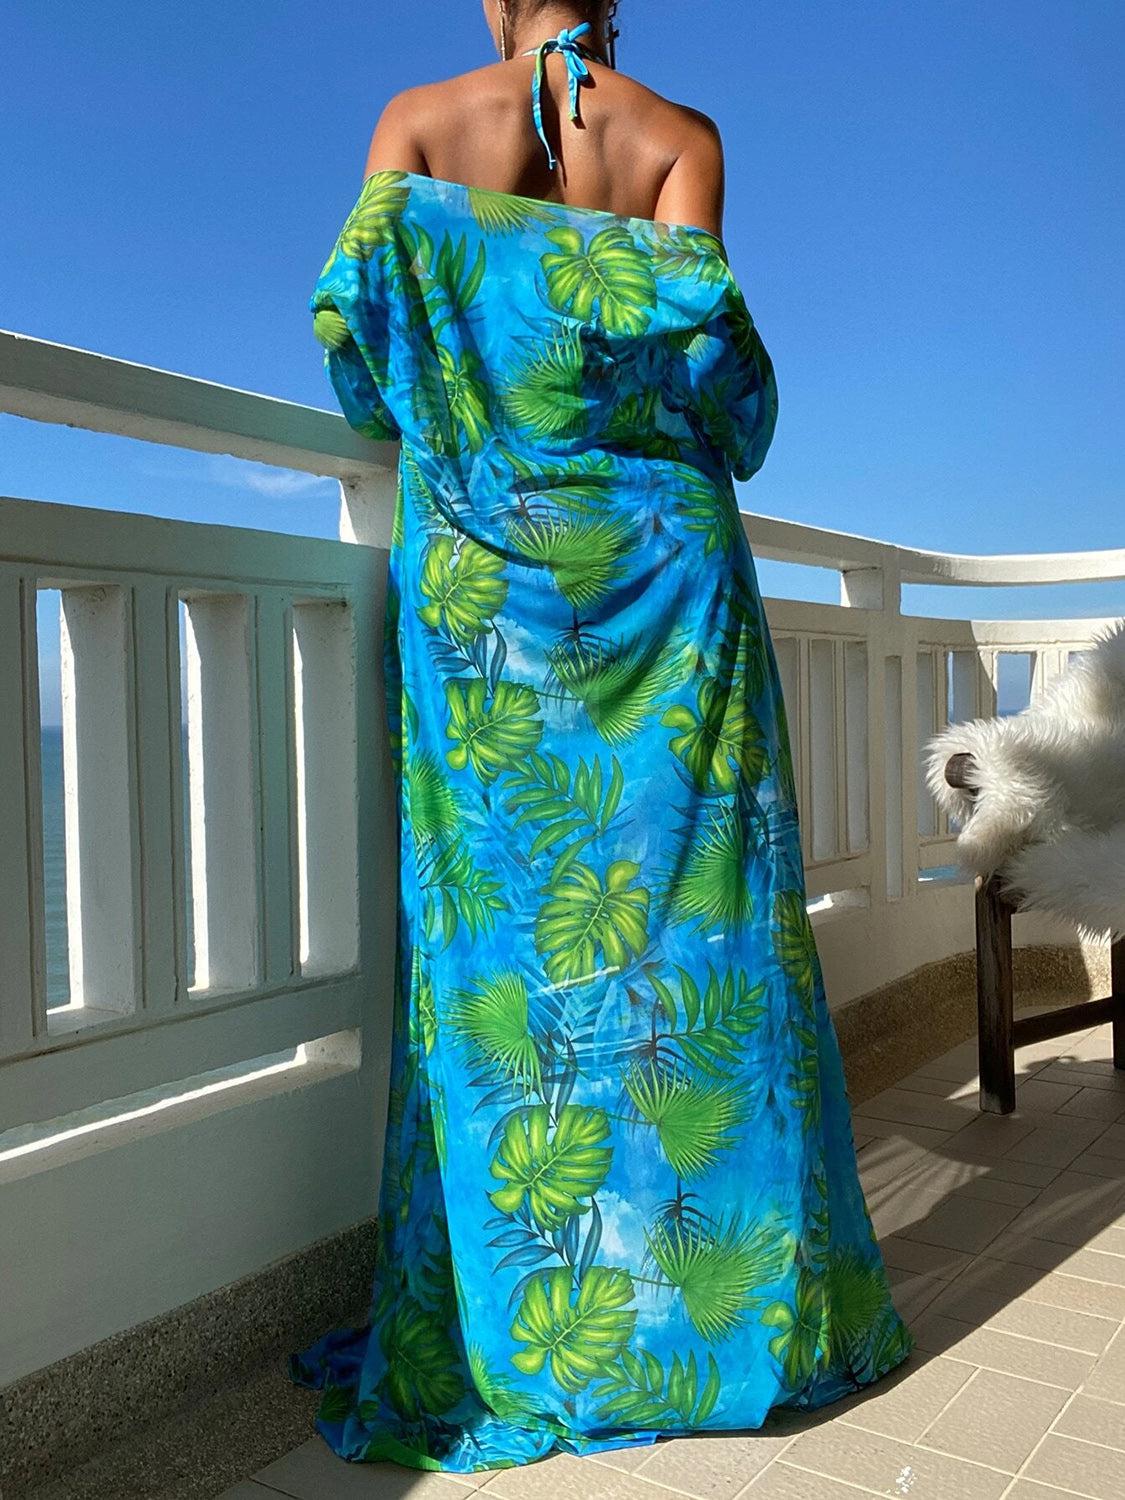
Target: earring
[611,34]
[503,35]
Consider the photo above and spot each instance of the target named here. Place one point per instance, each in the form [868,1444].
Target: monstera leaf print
[680,254]
[466,590]
[491,737]
[584,554]
[553,1170]
[544,396]
[710,1030]
[637,1395]
[716,1268]
[795,944]
[711,884]
[611,276]
[582,917]
[491,1019]
[372,222]
[423,1373]
[695,1119]
[800,1328]
[580,1336]
[619,683]
[720,740]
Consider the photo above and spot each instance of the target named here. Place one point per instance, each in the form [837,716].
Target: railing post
[367,508]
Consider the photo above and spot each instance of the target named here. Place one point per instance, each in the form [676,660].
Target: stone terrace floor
[1005,1240]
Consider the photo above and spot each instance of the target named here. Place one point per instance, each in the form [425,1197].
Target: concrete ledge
[145,1379]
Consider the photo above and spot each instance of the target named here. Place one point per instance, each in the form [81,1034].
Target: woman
[619,1194]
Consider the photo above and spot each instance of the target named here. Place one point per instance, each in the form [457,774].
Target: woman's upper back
[631,152]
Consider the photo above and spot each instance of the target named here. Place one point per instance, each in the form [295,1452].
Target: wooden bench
[999,1031]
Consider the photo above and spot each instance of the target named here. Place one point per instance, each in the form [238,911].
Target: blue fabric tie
[567,43]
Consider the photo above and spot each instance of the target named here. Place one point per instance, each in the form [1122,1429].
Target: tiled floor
[1005,1238]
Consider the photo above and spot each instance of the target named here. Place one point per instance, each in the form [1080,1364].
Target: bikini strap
[577,73]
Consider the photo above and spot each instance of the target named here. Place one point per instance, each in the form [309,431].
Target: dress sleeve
[351,319]
[732,383]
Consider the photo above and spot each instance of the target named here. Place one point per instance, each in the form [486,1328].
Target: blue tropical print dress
[619,1195]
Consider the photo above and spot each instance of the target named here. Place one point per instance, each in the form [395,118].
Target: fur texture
[1048,813]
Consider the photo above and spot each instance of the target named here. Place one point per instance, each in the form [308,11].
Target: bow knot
[566,43]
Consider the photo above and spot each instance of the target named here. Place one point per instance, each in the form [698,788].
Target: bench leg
[995,1000]
[1117,990]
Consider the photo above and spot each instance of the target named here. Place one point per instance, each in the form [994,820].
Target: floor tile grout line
[1055,1270]
[747,1492]
[1021,1472]
[957,1394]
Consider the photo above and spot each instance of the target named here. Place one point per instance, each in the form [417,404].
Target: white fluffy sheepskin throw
[1048,814]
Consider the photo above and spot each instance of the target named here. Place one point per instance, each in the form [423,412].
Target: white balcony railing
[230,904]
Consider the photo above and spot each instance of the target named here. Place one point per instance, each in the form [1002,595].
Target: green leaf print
[799,1327]
[496,1392]
[721,739]
[804,1079]
[466,391]
[466,590]
[466,893]
[542,793]
[330,328]
[430,798]
[716,1268]
[710,1029]
[582,916]
[694,1119]
[711,884]
[634,424]
[855,1296]
[553,1170]
[336,1403]
[710,510]
[635,1394]
[583,485]
[620,684]
[544,396]
[584,555]
[581,1338]
[495,737]
[611,274]
[491,1019]
[423,1377]
[795,944]
[678,254]
[372,222]
[505,213]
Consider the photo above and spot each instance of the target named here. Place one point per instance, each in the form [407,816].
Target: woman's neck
[533,29]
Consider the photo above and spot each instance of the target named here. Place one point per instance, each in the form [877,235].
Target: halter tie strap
[577,73]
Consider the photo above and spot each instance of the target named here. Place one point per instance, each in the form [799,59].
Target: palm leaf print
[544,397]
[584,555]
[430,799]
[804,1079]
[584,485]
[444,285]
[466,590]
[721,740]
[467,893]
[543,793]
[800,1326]
[423,1374]
[496,1390]
[694,1119]
[619,684]
[491,1019]
[330,328]
[493,737]
[582,916]
[611,275]
[855,1294]
[795,944]
[636,1395]
[555,1170]
[711,884]
[680,254]
[581,1338]
[634,424]
[372,222]
[710,1029]
[716,1269]
[505,213]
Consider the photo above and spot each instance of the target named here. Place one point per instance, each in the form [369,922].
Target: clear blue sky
[924,210]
